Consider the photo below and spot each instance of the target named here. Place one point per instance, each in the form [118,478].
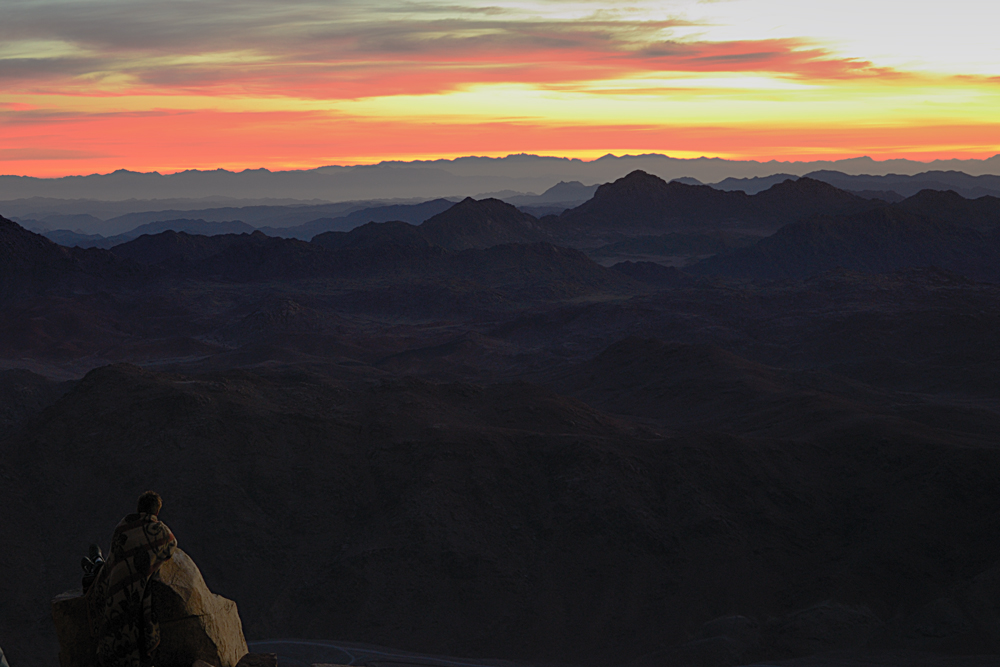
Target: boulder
[195,624]
[77,647]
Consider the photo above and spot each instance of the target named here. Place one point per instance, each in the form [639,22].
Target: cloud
[39,154]
[789,57]
[343,50]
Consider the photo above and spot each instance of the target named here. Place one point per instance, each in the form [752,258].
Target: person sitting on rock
[120,605]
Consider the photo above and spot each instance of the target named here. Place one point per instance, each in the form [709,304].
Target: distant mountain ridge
[218,223]
[202,227]
[903,185]
[304,219]
[411,213]
[816,227]
[441,178]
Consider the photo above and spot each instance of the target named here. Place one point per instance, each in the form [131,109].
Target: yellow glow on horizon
[898,105]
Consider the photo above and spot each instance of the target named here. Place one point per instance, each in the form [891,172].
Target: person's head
[149,503]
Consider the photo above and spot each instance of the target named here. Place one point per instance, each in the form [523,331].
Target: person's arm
[163,544]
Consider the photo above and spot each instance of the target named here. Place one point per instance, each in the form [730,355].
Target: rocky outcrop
[195,624]
[77,648]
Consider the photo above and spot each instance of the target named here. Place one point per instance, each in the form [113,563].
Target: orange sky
[96,85]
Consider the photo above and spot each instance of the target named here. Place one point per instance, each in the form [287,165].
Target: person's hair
[149,503]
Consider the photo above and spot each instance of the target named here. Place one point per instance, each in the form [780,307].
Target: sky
[90,86]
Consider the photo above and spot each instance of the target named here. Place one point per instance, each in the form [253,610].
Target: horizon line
[606,156]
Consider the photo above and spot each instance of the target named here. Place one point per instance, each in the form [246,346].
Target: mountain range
[818,228]
[671,425]
[441,178]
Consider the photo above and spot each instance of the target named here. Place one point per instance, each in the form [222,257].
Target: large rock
[77,648]
[195,624]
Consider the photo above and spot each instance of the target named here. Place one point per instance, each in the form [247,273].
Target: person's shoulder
[129,521]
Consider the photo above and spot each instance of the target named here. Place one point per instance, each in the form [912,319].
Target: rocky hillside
[501,520]
[640,204]
[481,224]
[878,241]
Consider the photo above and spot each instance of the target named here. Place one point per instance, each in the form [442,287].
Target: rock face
[195,624]
[77,647]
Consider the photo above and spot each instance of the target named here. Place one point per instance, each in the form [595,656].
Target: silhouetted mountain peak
[480,223]
[489,206]
[21,249]
[569,189]
[937,197]
[13,234]
[171,246]
[635,183]
[806,187]
[31,262]
[644,203]
[639,189]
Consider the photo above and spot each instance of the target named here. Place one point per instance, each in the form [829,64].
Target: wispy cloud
[345,50]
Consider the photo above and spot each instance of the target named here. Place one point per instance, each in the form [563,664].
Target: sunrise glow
[96,85]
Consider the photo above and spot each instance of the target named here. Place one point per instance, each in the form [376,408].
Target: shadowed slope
[704,387]
[481,224]
[411,213]
[501,521]
[877,241]
[803,198]
[30,263]
[654,274]
[179,248]
[642,204]
[982,213]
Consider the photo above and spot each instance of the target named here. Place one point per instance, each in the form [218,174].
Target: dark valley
[669,424]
